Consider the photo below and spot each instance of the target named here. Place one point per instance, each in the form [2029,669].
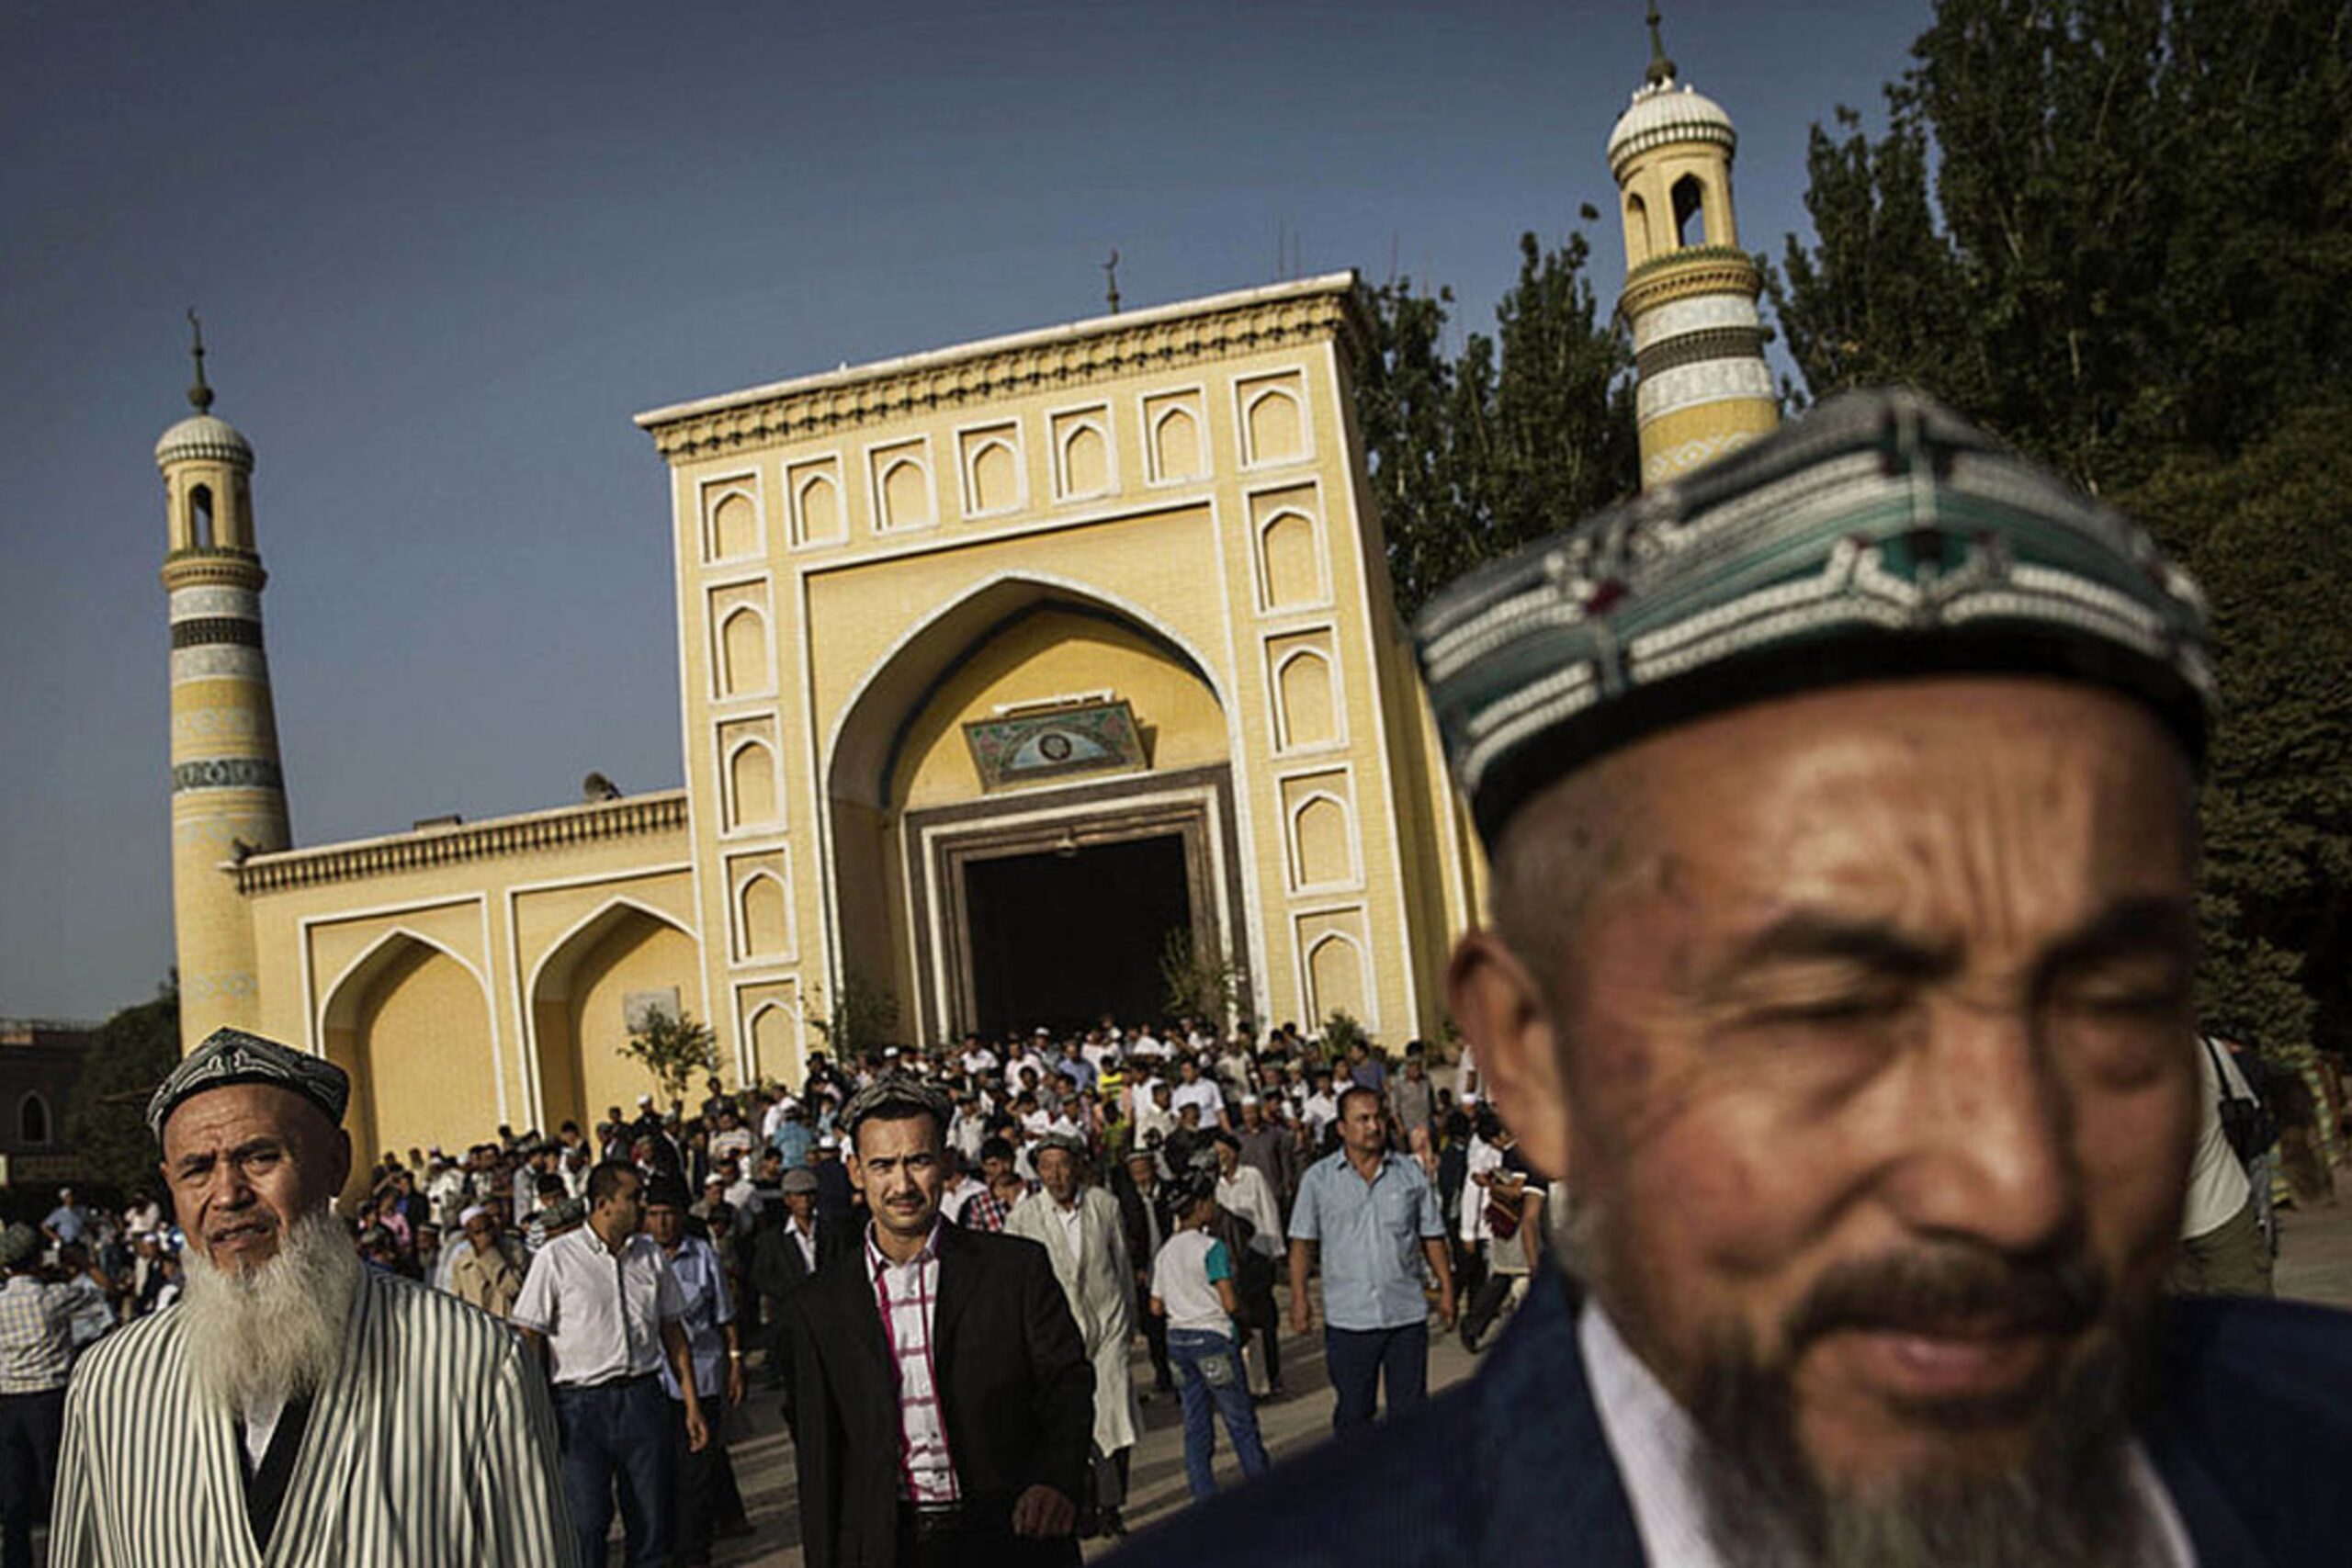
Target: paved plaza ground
[2315,1264]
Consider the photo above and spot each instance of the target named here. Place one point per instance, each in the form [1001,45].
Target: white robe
[1100,1285]
[433,1443]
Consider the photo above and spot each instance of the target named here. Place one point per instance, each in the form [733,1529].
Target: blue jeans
[1209,1381]
[619,1433]
[1359,1359]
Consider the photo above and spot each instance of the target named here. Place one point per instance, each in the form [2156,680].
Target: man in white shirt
[1154,1114]
[1319,1108]
[603,1307]
[2222,1249]
[1243,1189]
[1196,1087]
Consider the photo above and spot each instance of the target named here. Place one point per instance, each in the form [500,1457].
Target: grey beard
[255,1339]
[2069,1504]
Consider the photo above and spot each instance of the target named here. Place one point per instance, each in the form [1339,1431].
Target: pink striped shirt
[905,1294]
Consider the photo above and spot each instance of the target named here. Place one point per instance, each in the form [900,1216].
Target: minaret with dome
[228,796]
[1690,291]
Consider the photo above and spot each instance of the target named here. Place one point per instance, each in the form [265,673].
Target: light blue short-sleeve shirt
[1371,1234]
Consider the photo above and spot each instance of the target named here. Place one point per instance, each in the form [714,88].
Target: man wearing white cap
[487,1272]
[295,1406]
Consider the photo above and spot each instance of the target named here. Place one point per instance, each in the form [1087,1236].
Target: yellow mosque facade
[1006,672]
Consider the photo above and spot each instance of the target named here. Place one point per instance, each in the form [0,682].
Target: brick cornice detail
[428,846]
[1710,269]
[1158,345]
[214,567]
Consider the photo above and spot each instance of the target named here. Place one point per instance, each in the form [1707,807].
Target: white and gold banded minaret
[228,797]
[1690,291]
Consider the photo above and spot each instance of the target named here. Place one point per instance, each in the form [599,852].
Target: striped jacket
[433,1443]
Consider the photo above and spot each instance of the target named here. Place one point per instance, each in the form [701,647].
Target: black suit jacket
[2250,1426]
[777,1268]
[1016,1393]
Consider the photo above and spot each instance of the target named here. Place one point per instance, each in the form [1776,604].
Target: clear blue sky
[444,251]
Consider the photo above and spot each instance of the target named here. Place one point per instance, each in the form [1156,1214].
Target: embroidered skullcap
[231,1056]
[894,1095]
[1068,1143]
[17,1243]
[1879,536]
[471,1212]
[799,1179]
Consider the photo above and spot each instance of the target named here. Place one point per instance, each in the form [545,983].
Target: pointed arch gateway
[409,1019]
[1004,899]
[580,992]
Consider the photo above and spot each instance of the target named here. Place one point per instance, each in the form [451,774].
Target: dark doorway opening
[1061,938]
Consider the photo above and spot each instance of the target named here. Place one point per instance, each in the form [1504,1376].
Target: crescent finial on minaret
[1661,69]
[199,395]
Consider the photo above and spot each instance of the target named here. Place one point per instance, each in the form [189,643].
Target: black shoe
[1113,1526]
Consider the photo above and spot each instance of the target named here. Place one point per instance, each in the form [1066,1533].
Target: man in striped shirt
[294,1405]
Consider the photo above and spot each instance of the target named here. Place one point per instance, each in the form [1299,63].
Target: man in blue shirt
[66,1223]
[1372,1217]
[794,1137]
[708,1499]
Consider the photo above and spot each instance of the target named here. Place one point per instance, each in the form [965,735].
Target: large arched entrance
[410,1024]
[1029,801]
[584,997]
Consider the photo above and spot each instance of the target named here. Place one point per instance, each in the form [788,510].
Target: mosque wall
[474,975]
[1163,508]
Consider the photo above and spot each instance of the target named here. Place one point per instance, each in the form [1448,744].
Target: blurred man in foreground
[1841,800]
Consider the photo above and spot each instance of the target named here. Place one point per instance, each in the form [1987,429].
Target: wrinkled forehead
[239,1112]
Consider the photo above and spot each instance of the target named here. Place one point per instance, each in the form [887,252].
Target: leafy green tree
[674,1047]
[105,1117]
[1196,981]
[2135,240]
[2119,234]
[2269,538]
[1517,436]
[864,1019]
[1882,297]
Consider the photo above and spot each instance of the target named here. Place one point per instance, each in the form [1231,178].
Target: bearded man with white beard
[294,1406]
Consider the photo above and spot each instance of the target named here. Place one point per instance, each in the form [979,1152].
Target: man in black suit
[1143,1210]
[940,1397]
[793,1242]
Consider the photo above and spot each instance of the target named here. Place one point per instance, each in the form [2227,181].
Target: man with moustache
[939,1396]
[294,1405]
[1840,801]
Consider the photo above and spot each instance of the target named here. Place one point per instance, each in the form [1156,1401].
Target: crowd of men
[1840,808]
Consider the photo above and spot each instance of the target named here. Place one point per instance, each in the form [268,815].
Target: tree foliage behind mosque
[105,1117]
[1475,451]
[2119,234]
[2269,534]
[674,1047]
